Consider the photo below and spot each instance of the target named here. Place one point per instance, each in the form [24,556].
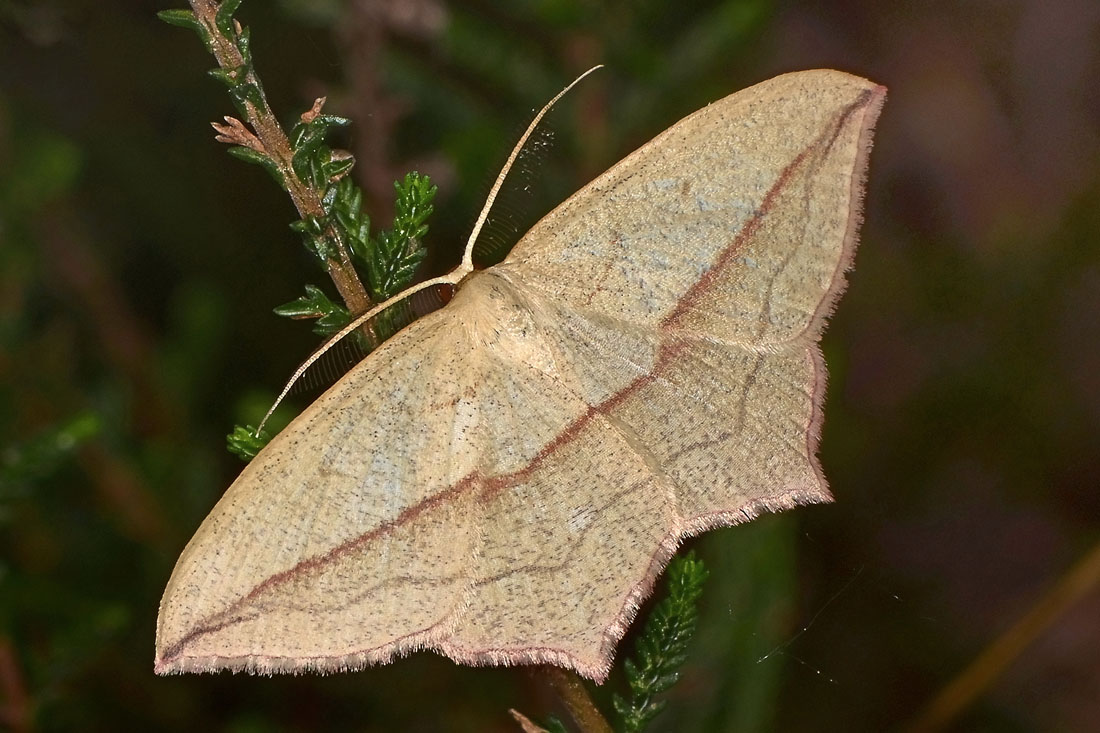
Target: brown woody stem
[572,692]
[277,148]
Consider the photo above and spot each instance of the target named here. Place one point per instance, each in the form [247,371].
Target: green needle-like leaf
[400,251]
[662,648]
[224,17]
[244,443]
[180,17]
[330,316]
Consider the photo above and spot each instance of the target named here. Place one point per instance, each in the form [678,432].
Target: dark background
[139,265]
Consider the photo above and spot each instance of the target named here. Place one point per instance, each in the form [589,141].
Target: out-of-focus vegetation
[139,265]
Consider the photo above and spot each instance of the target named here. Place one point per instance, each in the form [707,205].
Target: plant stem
[572,692]
[16,711]
[1071,588]
[277,147]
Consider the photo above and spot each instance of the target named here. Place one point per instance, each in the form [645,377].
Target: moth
[504,479]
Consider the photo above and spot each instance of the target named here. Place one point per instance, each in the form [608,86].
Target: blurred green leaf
[22,463]
[41,168]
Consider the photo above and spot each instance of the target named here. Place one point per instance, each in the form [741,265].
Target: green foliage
[399,251]
[185,19]
[244,442]
[553,725]
[317,237]
[663,646]
[389,260]
[330,317]
[347,212]
[242,83]
[748,608]
[314,162]
[224,16]
[23,463]
[248,155]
